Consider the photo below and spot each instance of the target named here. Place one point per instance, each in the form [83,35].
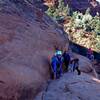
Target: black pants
[79,72]
[66,64]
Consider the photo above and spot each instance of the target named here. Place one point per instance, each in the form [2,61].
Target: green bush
[98,46]
[50,11]
[89,26]
[60,11]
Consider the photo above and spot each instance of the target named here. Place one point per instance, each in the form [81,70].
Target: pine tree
[51,11]
[61,5]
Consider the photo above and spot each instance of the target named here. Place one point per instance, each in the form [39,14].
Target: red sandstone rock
[26,43]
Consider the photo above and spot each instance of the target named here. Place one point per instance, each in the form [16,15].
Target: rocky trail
[27,39]
[72,87]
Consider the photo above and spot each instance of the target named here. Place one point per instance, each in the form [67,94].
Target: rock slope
[27,39]
[72,87]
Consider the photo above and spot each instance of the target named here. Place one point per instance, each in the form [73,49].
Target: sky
[98,0]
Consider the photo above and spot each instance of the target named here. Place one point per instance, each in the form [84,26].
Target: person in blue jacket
[56,63]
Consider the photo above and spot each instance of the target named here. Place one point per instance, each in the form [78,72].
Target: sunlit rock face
[72,87]
[27,39]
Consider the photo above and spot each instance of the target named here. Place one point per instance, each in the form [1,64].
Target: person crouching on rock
[56,64]
[76,65]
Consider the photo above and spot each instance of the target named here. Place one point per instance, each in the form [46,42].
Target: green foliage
[97,26]
[51,11]
[56,14]
[66,10]
[61,5]
[98,46]
[98,43]
[77,17]
[89,26]
[82,21]
[74,15]
[60,11]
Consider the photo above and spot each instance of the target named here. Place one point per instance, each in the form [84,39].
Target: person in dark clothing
[66,57]
[59,65]
[76,66]
[70,67]
[56,64]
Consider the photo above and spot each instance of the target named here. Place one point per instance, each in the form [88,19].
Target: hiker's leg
[54,68]
[66,64]
[74,68]
[52,75]
[60,71]
[58,74]
[79,72]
